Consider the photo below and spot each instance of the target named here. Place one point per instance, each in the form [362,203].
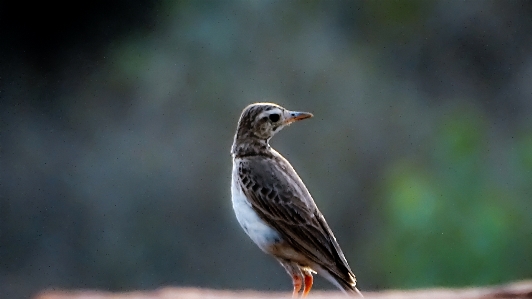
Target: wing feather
[280,198]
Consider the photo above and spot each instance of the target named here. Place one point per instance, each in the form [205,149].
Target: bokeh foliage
[452,217]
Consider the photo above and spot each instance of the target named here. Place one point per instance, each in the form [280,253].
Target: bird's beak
[295,116]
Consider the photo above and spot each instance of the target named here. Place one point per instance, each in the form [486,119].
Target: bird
[275,208]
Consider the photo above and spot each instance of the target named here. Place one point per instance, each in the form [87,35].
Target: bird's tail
[347,284]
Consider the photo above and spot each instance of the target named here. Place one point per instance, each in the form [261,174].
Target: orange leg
[298,283]
[308,282]
[297,277]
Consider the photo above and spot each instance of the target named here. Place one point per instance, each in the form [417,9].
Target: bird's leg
[297,276]
[307,274]
[298,283]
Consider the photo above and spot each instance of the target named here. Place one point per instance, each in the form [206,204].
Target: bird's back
[281,200]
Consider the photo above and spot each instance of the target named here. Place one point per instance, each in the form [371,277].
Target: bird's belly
[261,233]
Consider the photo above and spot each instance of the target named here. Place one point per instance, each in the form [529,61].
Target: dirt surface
[514,290]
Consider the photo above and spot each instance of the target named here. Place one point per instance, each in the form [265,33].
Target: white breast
[261,233]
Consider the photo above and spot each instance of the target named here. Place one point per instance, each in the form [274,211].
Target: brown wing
[280,198]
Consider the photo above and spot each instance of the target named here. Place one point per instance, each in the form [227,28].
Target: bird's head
[263,120]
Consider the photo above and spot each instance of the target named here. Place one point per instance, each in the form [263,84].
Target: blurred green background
[116,122]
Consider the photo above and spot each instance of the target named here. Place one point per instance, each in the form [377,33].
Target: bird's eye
[274,117]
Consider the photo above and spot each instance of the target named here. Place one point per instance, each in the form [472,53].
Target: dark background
[116,121]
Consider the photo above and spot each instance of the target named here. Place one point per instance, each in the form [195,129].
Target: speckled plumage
[274,207]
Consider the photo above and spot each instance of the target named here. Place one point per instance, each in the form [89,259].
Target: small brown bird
[274,207]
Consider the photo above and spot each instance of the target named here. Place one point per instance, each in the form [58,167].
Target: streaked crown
[259,122]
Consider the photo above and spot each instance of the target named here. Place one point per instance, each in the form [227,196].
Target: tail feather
[346,283]
[348,286]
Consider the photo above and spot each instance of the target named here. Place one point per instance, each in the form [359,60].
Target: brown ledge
[521,289]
